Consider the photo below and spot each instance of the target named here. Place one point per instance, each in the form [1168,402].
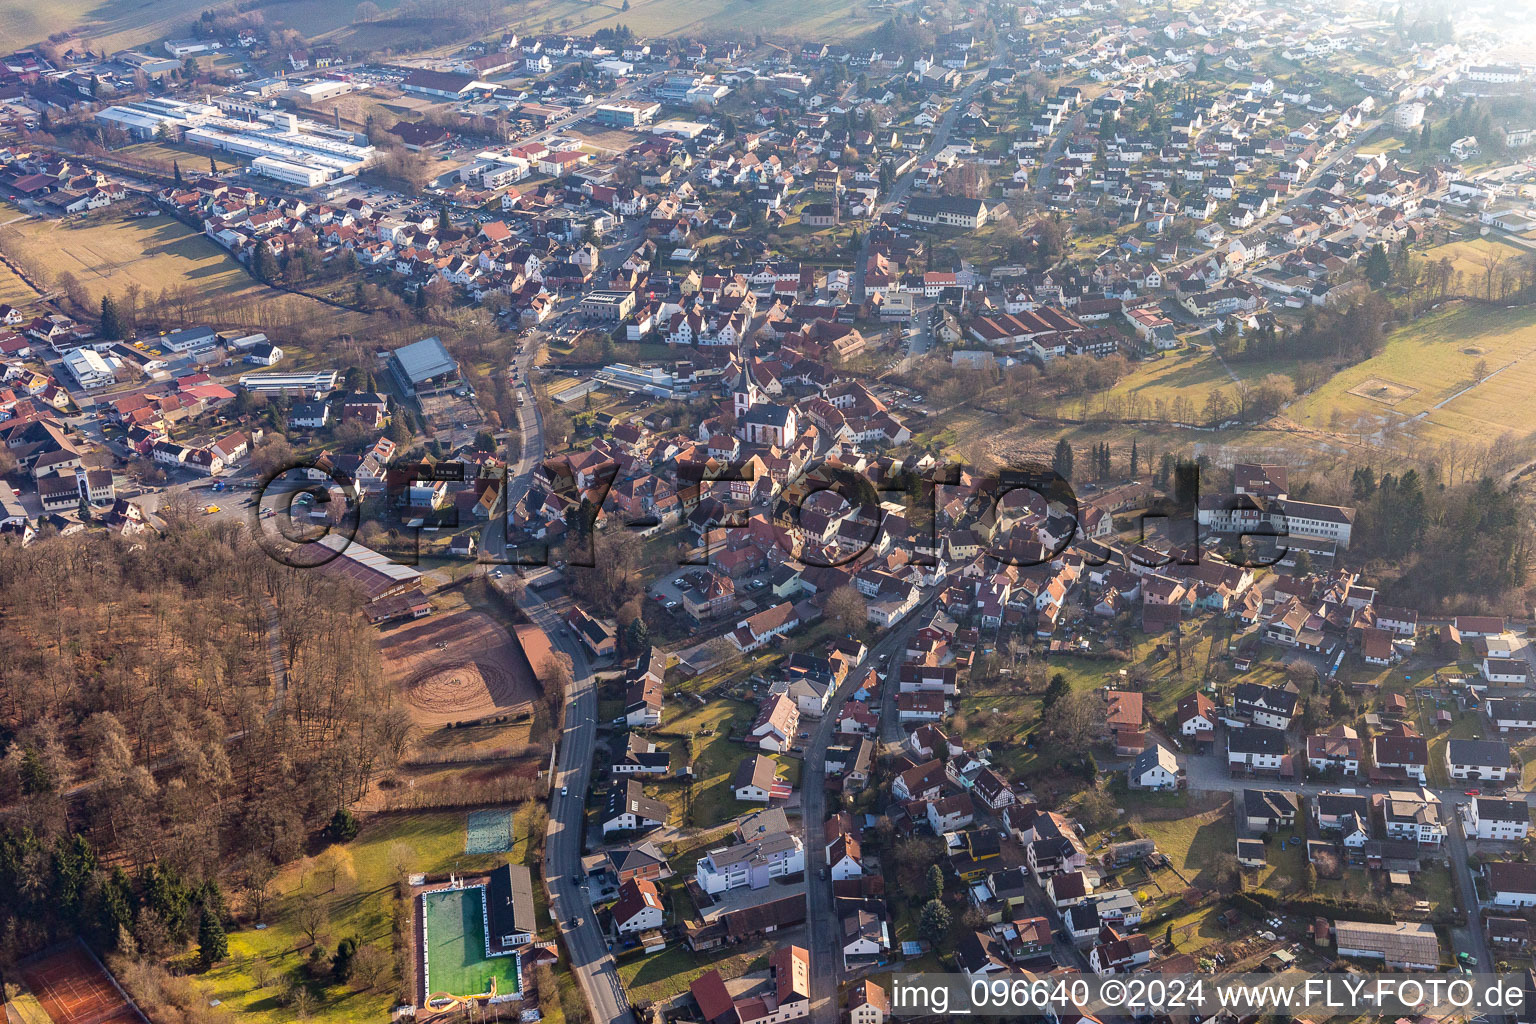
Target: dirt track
[457,667]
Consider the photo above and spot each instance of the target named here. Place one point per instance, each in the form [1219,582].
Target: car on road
[1474,792]
[565,790]
[211,510]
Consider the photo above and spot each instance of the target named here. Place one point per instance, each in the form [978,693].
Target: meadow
[1437,356]
[118,24]
[107,253]
[1189,373]
[354,884]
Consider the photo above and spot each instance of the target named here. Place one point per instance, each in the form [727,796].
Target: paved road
[821,923]
[591,963]
[904,183]
[1209,773]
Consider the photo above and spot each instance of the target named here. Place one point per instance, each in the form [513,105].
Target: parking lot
[751,593]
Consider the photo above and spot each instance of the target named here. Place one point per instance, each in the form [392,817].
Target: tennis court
[488,831]
[455,946]
[73,988]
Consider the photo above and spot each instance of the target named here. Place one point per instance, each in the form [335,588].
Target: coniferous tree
[1061,461]
[1378,269]
[212,943]
[111,319]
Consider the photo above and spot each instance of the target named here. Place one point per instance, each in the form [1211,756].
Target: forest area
[152,779]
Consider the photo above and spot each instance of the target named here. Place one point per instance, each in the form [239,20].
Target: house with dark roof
[757,780]
[630,810]
[1268,810]
[1401,754]
[1485,760]
[1270,706]
[598,636]
[1257,749]
[1493,818]
[511,921]
[639,756]
[642,860]
[1512,883]
[979,954]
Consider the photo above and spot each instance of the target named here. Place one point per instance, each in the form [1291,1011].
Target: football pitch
[455,946]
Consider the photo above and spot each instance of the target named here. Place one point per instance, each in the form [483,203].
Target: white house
[753,862]
[639,908]
[1512,883]
[1156,768]
[844,858]
[1493,818]
[1256,749]
[1485,760]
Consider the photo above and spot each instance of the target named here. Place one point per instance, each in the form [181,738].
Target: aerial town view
[741,512]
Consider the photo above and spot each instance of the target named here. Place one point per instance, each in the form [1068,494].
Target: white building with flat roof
[91,368]
[315,384]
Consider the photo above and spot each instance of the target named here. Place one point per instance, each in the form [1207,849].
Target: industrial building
[626,113]
[649,380]
[315,385]
[424,367]
[90,368]
[282,146]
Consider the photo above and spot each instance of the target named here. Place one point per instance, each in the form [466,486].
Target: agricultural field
[1423,383]
[117,24]
[109,253]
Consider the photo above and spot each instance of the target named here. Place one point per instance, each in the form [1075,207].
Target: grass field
[1189,373]
[360,904]
[456,960]
[1436,356]
[166,156]
[13,290]
[715,759]
[668,973]
[110,253]
[1467,256]
[1193,843]
[114,24]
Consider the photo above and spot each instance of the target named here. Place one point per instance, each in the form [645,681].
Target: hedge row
[1261,902]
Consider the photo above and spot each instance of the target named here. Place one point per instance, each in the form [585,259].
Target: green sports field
[455,934]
